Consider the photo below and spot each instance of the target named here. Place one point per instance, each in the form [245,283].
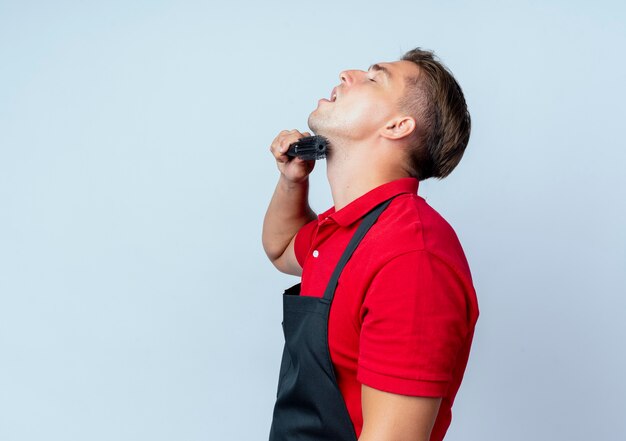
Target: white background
[136,301]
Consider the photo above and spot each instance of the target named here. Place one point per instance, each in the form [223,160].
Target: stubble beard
[314,123]
[323,124]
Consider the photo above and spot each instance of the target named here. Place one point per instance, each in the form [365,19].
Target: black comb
[309,148]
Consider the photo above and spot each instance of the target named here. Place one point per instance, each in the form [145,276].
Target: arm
[414,326]
[289,208]
[394,417]
[288,211]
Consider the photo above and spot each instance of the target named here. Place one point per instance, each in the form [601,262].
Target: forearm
[287,212]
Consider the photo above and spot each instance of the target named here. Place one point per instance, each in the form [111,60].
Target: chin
[313,123]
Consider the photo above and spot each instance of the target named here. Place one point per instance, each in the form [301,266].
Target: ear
[398,128]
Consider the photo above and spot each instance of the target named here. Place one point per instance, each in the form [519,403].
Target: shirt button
[316,253]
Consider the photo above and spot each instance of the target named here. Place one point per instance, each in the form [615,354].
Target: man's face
[364,101]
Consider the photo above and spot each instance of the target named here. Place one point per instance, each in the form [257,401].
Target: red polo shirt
[403,315]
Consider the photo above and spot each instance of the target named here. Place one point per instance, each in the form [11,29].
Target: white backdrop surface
[136,302]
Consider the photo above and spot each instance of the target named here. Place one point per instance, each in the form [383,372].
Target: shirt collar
[363,204]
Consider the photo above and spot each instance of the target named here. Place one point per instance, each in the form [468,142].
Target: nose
[351,75]
[346,76]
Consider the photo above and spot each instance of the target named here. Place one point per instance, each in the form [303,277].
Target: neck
[351,175]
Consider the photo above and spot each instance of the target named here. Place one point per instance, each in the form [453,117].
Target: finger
[291,137]
[286,141]
[279,154]
[278,137]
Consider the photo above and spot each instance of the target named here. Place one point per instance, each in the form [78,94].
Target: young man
[386,360]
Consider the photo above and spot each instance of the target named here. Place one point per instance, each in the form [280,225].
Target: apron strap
[365,225]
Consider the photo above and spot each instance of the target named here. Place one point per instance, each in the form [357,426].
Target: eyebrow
[377,67]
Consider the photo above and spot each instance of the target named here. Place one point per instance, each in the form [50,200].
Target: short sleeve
[304,238]
[414,325]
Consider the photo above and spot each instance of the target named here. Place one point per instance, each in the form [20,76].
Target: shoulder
[410,224]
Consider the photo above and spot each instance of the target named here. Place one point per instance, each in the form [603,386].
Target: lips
[333,95]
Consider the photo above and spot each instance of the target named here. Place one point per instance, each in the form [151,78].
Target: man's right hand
[293,169]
